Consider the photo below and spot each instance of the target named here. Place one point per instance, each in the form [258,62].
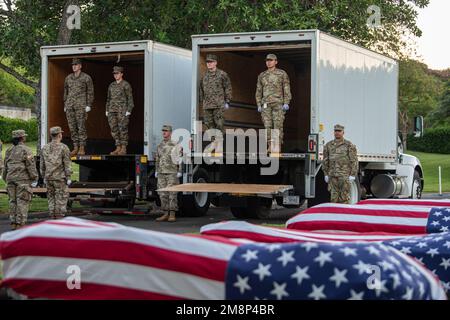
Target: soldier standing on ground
[119,104]
[168,155]
[78,99]
[273,95]
[21,176]
[56,169]
[340,166]
[215,94]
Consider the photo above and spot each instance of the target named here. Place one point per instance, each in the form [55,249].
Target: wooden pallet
[232,188]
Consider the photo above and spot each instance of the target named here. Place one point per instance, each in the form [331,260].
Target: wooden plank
[72,190]
[235,188]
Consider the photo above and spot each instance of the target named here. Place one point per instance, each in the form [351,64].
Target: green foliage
[441,116]
[15,93]
[435,140]
[7,125]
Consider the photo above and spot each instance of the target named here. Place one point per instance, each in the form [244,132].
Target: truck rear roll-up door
[232,188]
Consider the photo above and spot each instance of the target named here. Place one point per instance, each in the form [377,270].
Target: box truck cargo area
[243,65]
[99,67]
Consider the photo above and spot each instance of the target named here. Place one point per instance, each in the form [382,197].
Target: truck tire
[416,192]
[355,191]
[196,204]
[257,208]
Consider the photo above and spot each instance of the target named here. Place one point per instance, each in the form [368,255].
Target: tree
[419,93]
[441,116]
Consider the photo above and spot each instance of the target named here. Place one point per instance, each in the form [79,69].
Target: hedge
[436,140]
[7,125]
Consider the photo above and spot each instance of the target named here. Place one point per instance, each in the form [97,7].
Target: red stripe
[366,212]
[407,202]
[259,237]
[120,251]
[356,226]
[51,289]
[214,238]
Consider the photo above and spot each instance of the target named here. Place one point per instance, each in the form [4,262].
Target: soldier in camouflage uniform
[20,175]
[119,104]
[56,169]
[273,95]
[78,99]
[215,94]
[340,166]
[168,155]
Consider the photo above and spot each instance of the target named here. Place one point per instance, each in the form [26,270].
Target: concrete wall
[16,113]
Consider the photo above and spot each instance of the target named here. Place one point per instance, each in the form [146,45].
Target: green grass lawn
[38,204]
[430,163]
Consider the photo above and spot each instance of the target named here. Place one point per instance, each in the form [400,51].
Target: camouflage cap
[211,57]
[166,127]
[117,69]
[19,134]
[55,130]
[338,127]
[76,61]
[271,56]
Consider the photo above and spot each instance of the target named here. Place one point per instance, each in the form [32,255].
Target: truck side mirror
[418,126]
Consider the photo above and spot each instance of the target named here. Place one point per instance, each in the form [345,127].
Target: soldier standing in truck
[78,99]
[119,104]
[273,95]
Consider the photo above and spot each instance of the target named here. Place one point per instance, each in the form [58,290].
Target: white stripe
[382,207]
[177,243]
[124,275]
[445,202]
[355,218]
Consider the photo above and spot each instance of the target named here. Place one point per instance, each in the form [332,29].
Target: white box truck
[160,76]
[332,81]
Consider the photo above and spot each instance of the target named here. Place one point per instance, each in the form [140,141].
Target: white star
[387,266]
[447,244]
[361,267]
[395,243]
[250,254]
[309,245]
[323,258]
[339,277]
[421,289]
[273,247]
[406,250]
[432,252]
[421,244]
[437,239]
[279,290]
[380,287]
[262,271]
[443,229]
[355,295]
[242,284]
[300,274]
[395,260]
[348,251]
[435,223]
[409,294]
[396,278]
[286,257]
[414,270]
[317,293]
[448,210]
[445,263]
[437,214]
[446,219]
[373,250]
[446,286]
[407,275]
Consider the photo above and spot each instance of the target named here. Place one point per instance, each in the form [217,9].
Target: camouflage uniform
[167,157]
[339,162]
[272,91]
[119,101]
[215,91]
[19,172]
[1,158]
[78,94]
[56,169]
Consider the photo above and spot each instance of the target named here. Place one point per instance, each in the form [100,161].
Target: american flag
[316,271]
[409,202]
[116,262]
[372,218]
[433,250]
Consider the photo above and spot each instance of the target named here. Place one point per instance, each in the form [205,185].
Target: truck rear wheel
[322,193]
[196,204]
[257,208]
[416,186]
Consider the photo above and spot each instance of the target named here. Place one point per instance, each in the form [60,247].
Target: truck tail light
[312,143]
